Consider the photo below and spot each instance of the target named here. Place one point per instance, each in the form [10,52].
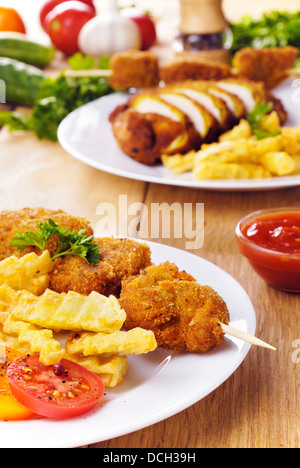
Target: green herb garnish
[58,97]
[254,119]
[274,29]
[79,61]
[69,242]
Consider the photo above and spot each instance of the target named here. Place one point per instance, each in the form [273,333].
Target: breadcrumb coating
[182,314]
[28,219]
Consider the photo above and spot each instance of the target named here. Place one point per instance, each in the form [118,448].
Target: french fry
[8,298]
[214,170]
[71,311]
[13,342]
[111,369]
[279,163]
[240,155]
[179,163]
[30,272]
[135,341]
[242,130]
[39,340]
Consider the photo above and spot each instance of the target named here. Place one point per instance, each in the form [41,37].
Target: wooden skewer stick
[245,336]
[293,72]
[87,73]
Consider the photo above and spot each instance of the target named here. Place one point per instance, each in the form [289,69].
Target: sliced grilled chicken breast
[204,122]
[249,92]
[233,102]
[152,103]
[198,91]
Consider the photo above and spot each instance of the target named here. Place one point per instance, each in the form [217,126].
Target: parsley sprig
[69,242]
[59,96]
[254,119]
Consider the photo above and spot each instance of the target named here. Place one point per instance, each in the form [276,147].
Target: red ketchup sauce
[271,242]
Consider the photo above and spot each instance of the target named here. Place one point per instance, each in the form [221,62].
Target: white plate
[86,134]
[159,384]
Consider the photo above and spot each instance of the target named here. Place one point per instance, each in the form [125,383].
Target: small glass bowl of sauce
[270,240]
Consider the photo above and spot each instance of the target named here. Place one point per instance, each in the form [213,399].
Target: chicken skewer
[183,315]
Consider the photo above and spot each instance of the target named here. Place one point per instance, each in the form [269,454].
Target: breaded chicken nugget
[28,219]
[134,69]
[191,68]
[182,314]
[269,65]
[119,259]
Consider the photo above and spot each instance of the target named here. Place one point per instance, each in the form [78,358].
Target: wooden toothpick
[245,336]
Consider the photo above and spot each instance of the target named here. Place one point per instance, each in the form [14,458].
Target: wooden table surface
[258,406]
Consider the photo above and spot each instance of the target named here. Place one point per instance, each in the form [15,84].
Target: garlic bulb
[109,32]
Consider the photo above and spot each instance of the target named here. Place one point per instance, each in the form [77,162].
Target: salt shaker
[203,30]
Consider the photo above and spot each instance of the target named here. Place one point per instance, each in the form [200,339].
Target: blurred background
[167,11]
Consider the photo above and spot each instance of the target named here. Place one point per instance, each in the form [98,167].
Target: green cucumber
[22,81]
[16,46]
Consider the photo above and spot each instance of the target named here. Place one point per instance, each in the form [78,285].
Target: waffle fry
[135,341]
[179,163]
[8,298]
[239,155]
[39,340]
[71,311]
[111,369]
[214,170]
[30,272]
[13,342]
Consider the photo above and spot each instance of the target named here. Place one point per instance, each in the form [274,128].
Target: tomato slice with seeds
[73,392]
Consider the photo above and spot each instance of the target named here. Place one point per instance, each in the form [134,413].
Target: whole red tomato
[145,24]
[64,23]
[50,4]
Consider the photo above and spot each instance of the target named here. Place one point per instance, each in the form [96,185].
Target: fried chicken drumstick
[183,315]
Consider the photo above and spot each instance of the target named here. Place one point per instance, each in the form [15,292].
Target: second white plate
[86,134]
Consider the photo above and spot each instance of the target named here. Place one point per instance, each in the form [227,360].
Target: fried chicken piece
[145,136]
[134,69]
[119,259]
[73,273]
[269,65]
[28,219]
[191,68]
[182,314]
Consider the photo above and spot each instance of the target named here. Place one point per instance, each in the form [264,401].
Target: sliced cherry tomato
[10,408]
[64,24]
[10,20]
[38,387]
[145,24]
[51,4]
